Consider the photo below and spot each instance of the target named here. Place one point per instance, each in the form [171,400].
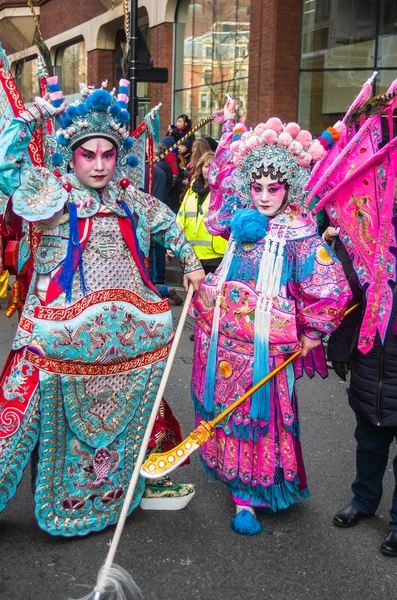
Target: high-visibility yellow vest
[192,218]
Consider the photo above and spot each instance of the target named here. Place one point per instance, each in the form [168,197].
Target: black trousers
[373,444]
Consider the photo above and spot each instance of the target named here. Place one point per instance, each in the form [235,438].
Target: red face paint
[94,163]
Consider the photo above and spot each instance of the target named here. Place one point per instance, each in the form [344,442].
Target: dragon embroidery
[126,338]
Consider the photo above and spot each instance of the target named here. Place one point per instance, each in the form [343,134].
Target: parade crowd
[257,220]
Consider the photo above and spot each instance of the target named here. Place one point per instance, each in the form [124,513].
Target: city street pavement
[193,553]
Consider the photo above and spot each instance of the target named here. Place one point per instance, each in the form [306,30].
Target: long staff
[190,133]
[100,592]
[162,463]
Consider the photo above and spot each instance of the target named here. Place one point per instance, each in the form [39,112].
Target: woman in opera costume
[278,290]
[94,335]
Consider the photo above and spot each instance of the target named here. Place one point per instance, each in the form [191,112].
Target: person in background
[199,148]
[157,251]
[177,175]
[373,398]
[213,144]
[184,155]
[193,214]
[181,128]
[162,164]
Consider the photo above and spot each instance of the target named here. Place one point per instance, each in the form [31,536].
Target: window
[342,44]
[212,56]
[207,76]
[27,80]
[71,67]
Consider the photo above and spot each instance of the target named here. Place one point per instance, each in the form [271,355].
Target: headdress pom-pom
[124,116]
[56,159]
[82,109]
[71,111]
[132,161]
[115,110]
[128,143]
[100,99]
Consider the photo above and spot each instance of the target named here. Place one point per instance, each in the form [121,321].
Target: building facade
[298,59]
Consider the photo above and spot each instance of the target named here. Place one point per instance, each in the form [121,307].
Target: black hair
[270,171]
[186,119]
[82,141]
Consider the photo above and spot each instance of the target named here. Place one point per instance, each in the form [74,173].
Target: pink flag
[359,197]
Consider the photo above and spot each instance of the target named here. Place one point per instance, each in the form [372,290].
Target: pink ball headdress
[289,150]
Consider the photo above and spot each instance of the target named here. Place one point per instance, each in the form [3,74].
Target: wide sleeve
[221,209]
[157,221]
[318,285]
[174,238]
[14,144]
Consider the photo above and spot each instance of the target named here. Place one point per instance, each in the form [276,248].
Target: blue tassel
[131,218]
[260,400]
[287,270]
[245,523]
[66,275]
[210,372]
[304,267]
[243,268]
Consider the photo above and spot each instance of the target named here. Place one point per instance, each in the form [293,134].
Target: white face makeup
[267,195]
[94,162]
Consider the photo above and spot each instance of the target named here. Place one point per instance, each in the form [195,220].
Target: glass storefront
[342,44]
[26,78]
[71,68]
[211,57]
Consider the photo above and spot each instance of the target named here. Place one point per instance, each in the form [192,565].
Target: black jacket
[373,383]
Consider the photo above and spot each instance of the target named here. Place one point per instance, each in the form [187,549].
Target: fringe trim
[276,497]
[210,372]
[65,278]
[304,266]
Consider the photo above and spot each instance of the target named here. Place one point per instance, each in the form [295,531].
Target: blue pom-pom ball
[115,110]
[128,143]
[132,161]
[62,140]
[100,100]
[66,121]
[57,159]
[82,109]
[124,116]
[248,225]
[71,111]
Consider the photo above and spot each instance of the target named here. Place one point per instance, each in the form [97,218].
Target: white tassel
[119,586]
[226,262]
[266,265]
[278,269]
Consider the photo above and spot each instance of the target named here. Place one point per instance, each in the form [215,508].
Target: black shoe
[389,546]
[349,516]
[191,338]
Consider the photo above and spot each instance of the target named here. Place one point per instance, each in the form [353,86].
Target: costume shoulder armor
[39,196]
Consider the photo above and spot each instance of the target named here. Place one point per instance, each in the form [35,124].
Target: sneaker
[175,297]
[164,494]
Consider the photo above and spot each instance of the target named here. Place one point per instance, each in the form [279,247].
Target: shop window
[212,56]
[71,67]
[342,44]
[26,78]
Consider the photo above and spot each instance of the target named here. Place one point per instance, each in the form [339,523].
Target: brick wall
[100,67]
[162,42]
[58,16]
[274,59]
